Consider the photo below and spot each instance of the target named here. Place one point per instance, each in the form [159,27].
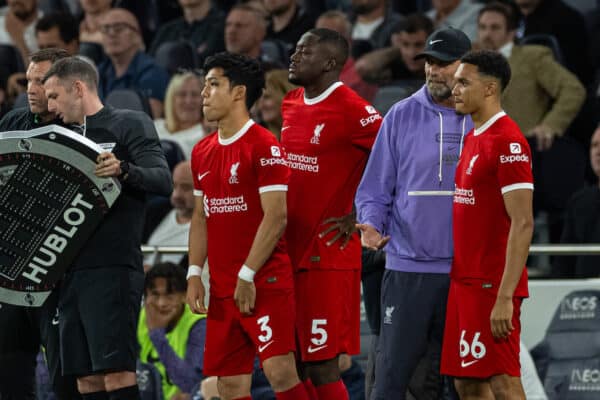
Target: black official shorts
[98,313]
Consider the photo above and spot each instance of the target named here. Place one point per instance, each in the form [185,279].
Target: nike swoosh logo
[314,349]
[466,364]
[283,128]
[263,347]
[203,175]
[54,321]
[435,41]
[112,353]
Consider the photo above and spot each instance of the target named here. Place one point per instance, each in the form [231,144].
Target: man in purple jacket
[405,198]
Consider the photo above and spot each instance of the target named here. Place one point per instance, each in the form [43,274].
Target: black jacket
[117,239]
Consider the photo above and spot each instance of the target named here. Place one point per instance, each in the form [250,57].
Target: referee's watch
[124,165]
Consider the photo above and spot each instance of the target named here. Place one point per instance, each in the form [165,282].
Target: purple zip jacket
[407,188]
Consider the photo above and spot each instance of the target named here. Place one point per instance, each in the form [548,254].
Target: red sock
[336,390]
[310,390]
[298,392]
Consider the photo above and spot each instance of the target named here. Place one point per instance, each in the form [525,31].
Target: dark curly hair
[173,274]
[490,63]
[240,70]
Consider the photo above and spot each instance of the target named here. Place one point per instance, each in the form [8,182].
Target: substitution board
[50,203]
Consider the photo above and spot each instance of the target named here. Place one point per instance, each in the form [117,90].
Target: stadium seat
[129,100]
[568,359]
[547,40]
[175,56]
[387,96]
[149,381]
[93,51]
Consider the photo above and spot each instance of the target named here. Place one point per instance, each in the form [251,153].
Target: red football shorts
[327,313]
[469,349]
[233,340]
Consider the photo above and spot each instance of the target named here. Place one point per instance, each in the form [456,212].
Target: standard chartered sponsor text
[227,205]
[302,162]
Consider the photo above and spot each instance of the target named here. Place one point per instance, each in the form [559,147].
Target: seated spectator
[459,14]
[93,12]
[374,22]
[566,24]
[58,30]
[127,66]
[582,224]
[174,228]
[245,31]
[339,22]
[170,336]
[183,112]
[288,21]
[269,105]
[202,25]
[542,97]
[397,62]
[17,22]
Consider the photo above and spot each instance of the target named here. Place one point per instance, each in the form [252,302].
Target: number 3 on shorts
[318,333]
[265,329]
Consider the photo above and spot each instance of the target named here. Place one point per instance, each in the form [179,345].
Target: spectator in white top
[183,112]
[459,14]
[374,22]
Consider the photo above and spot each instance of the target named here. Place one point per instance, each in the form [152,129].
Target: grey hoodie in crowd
[407,187]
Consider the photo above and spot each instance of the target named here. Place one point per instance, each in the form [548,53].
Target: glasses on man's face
[116,28]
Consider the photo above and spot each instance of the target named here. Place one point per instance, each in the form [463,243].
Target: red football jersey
[495,160]
[231,174]
[327,140]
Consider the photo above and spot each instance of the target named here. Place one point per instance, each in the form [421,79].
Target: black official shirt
[131,136]
[21,119]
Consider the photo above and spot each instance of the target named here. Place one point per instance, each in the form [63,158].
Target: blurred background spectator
[170,336]
[202,25]
[339,22]
[183,112]
[372,25]
[288,20]
[17,22]
[582,224]
[127,66]
[397,62]
[58,29]
[269,104]
[459,14]
[89,27]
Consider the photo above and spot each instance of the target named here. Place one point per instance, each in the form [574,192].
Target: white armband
[193,270]
[246,273]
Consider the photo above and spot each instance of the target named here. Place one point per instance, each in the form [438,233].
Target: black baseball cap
[446,44]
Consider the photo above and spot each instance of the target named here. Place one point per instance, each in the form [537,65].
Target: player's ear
[330,64]
[239,92]
[492,88]
[78,85]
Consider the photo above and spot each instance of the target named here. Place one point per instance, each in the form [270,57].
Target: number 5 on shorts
[319,333]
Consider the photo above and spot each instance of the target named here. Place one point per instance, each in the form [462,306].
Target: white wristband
[193,270]
[246,273]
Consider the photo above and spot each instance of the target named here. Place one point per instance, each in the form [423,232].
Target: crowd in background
[149,56]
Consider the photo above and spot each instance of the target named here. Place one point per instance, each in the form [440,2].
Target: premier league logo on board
[50,203]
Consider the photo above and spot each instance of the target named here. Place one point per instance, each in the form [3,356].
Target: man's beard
[438,91]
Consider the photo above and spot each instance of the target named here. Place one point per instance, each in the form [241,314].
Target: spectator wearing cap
[58,30]
[127,66]
[339,22]
[398,62]
[404,202]
[202,25]
[459,14]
